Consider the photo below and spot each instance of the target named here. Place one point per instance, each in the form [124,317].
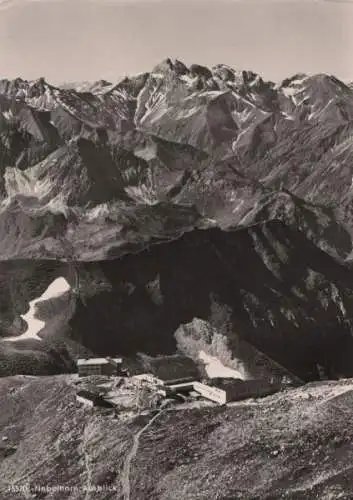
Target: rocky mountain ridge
[215,140]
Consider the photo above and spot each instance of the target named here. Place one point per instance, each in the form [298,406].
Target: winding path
[125,478]
[88,469]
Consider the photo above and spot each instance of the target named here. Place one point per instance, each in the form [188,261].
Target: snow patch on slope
[316,113]
[215,369]
[188,79]
[57,288]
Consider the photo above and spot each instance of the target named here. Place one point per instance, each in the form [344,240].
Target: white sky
[67,40]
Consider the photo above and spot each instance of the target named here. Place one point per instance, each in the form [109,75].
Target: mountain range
[167,192]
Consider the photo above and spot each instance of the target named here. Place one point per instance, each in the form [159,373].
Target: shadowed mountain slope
[291,308]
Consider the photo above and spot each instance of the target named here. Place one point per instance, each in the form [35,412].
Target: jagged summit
[170,64]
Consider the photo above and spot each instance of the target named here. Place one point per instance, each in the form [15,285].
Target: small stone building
[92,398]
[99,366]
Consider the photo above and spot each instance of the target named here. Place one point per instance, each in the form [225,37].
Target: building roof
[88,393]
[115,361]
[98,361]
[227,384]
[223,383]
[170,368]
[256,387]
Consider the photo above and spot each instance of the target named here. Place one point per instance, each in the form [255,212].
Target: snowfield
[214,368]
